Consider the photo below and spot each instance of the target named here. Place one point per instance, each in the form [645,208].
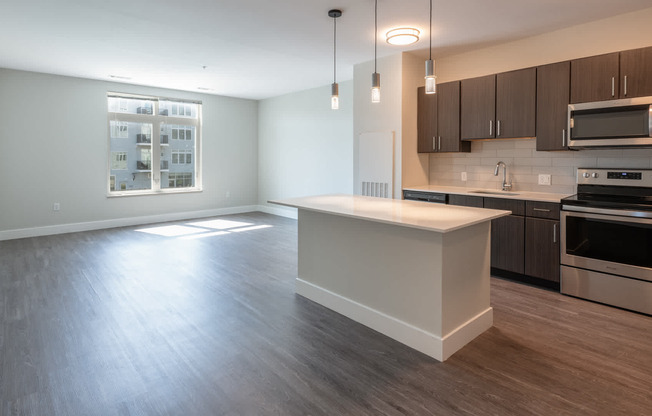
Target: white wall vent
[376,164]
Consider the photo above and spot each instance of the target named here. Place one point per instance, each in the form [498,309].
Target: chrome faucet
[506,186]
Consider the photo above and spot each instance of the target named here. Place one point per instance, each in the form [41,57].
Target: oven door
[607,243]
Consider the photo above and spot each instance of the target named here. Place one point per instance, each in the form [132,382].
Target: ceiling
[258,48]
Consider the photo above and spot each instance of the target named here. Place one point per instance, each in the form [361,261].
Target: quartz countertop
[490,193]
[414,214]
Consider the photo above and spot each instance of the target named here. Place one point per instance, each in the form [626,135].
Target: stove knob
[586,174]
[595,175]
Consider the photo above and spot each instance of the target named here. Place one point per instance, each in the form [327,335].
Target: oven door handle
[605,211]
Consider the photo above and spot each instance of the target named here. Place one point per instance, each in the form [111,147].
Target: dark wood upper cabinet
[553,97]
[499,106]
[595,78]
[478,107]
[448,118]
[426,121]
[516,93]
[636,73]
[438,120]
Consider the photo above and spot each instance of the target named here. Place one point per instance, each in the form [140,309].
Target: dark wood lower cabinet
[508,243]
[542,248]
[465,200]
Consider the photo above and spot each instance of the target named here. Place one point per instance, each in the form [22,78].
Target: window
[153,145]
[118,161]
[180,180]
[180,157]
[119,130]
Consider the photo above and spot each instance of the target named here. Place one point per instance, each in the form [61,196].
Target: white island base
[424,285]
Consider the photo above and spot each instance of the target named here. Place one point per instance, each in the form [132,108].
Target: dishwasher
[437,198]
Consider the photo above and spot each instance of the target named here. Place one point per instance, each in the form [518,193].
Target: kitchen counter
[440,218]
[490,193]
[414,271]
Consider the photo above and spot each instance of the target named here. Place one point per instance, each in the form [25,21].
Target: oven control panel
[624,175]
[618,177]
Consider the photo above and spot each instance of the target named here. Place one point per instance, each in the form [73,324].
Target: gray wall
[54,148]
[305,148]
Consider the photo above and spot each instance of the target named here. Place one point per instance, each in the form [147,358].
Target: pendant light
[431,84]
[375,77]
[335,93]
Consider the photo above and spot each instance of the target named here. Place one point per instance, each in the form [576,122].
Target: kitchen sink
[493,192]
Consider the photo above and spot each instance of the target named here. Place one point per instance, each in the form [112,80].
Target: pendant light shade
[335,96]
[375,77]
[335,90]
[375,87]
[431,83]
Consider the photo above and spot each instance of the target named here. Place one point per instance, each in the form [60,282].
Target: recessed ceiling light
[402,36]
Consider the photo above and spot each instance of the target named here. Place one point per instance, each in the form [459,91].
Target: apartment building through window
[153,145]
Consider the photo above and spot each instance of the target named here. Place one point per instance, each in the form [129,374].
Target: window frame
[157,121]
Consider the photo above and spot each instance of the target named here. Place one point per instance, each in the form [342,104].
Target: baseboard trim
[286,212]
[430,344]
[121,222]
[467,332]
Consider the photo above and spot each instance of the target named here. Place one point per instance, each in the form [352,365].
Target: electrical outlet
[228,194]
[463,176]
[544,179]
[56,206]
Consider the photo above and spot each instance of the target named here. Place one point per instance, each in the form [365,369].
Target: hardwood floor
[122,322]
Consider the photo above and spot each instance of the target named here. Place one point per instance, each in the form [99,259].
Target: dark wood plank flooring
[119,322]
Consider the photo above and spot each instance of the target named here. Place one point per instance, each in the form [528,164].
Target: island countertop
[414,214]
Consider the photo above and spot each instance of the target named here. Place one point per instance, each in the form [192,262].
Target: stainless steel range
[606,245]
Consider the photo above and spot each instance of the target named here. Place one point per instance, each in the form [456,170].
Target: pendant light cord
[375,35]
[334,49]
[430,30]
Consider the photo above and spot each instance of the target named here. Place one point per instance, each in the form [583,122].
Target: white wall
[525,163]
[305,148]
[384,116]
[54,144]
[625,31]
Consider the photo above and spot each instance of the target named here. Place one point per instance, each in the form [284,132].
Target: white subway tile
[525,144]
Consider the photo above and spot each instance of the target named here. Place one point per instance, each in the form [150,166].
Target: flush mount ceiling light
[402,36]
[335,96]
[431,84]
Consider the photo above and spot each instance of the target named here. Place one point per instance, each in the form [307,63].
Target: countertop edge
[525,195]
[488,215]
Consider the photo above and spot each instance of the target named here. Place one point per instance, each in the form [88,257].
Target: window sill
[120,194]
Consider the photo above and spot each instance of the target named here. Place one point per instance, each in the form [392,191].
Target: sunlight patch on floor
[203,229]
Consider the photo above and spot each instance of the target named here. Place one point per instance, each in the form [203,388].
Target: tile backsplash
[525,163]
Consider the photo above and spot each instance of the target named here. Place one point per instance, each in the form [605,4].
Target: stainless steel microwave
[613,123]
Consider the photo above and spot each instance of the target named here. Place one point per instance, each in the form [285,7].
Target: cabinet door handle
[434,145]
[625,92]
[563,137]
[497,128]
[439,142]
[491,127]
[554,233]
[613,86]
[540,209]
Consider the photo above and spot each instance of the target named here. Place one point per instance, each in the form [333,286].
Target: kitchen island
[414,271]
